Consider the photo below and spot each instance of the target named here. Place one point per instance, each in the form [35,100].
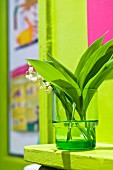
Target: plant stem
[86,131]
[70,123]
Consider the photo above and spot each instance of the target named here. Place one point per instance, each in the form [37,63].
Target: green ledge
[48,155]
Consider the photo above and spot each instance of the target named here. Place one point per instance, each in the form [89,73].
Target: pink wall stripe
[19,71]
[100,19]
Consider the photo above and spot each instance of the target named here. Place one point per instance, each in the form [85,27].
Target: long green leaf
[70,91]
[100,77]
[97,66]
[95,82]
[67,104]
[49,62]
[47,71]
[87,54]
[67,73]
[92,60]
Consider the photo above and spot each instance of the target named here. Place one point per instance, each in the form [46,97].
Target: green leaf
[95,82]
[91,62]
[97,66]
[67,73]
[66,103]
[100,76]
[70,91]
[94,46]
[49,62]
[47,71]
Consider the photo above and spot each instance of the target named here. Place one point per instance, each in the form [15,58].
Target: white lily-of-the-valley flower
[31,74]
[40,77]
[30,70]
[49,89]
[29,64]
[34,76]
[42,84]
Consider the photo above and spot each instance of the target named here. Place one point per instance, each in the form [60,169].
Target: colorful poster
[25,23]
[24,101]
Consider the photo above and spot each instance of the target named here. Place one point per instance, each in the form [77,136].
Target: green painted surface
[45,36]
[71,31]
[43,97]
[105,104]
[99,158]
[6,161]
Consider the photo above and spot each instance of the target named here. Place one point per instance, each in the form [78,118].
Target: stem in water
[70,124]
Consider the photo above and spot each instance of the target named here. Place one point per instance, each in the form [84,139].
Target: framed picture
[23,94]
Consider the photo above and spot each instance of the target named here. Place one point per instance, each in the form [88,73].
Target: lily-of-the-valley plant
[72,87]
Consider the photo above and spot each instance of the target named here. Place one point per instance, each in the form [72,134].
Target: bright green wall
[71,31]
[105,127]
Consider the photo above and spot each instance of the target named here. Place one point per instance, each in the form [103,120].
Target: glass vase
[73,130]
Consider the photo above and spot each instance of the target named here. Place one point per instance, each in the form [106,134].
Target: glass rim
[74,121]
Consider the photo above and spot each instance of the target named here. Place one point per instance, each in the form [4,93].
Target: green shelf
[48,155]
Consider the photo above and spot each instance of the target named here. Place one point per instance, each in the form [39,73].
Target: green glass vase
[72,132]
